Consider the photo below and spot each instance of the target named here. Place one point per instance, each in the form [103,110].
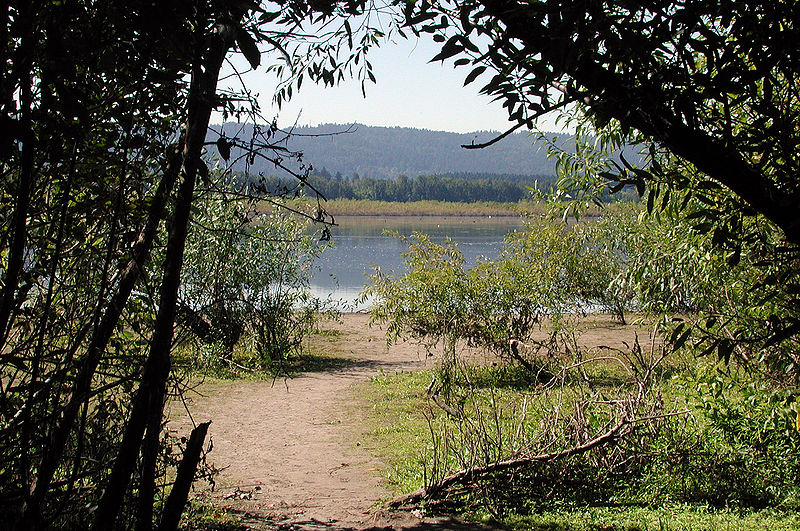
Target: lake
[361,245]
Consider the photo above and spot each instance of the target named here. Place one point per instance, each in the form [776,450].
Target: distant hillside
[387,152]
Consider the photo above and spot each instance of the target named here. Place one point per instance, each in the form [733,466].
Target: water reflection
[361,245]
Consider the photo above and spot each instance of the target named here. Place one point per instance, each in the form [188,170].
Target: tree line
[405,189]
[453,188]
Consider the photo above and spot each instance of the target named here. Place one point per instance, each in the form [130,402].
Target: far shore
[427,209]
[361,207]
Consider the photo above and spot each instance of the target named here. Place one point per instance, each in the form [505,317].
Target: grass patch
[320,352]
[397,427]
[370,207]
[367,207]
[686,478]
[201,515]
[668,518]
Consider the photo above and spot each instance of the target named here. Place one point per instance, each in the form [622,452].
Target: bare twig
[464,475]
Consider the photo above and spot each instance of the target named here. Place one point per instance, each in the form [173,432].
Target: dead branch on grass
[619,431]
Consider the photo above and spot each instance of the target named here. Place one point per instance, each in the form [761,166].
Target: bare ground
[290,452]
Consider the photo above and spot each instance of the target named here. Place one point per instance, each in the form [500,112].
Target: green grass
[363,207]
[201,514]
[397,425]
[562,495]
[667,518]
[370,207]
[202,361]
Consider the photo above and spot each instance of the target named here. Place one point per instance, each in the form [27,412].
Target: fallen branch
[542,375]
[465,475]
[471,473]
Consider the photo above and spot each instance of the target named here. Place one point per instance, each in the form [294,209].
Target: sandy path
[289,451]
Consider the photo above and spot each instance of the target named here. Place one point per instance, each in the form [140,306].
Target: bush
[740,447]
[247,277]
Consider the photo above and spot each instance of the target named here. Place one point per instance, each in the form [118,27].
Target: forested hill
[387,152]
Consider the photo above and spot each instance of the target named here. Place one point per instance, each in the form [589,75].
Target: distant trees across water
[451,187]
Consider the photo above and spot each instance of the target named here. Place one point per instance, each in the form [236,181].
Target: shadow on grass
[310,363]
[210,518]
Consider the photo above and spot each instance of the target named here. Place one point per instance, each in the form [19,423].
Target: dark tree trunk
[25,176]
[82,386]
[183,481]
[148,405]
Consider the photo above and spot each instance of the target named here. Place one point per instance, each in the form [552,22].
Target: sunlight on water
[361,245]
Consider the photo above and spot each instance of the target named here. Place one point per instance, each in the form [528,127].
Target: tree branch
[643,107]
[469,474]
[527,123]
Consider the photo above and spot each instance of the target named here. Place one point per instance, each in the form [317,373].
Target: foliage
[709,90]
[246,276]
[668,517]
[548,269]
[738,444]
[78,183]
[734,450]
[104,109]
[740,303]
[706,90]
[431,302]
[740,448]
[713,83]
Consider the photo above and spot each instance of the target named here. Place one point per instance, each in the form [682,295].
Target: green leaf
[725,350]
[205,175]
[474,74]
[224,148]
[248,47]
[735,257]
[675,333]
[450,48]
[708,350]
[680,341]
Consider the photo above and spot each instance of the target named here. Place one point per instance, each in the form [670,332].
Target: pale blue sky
[410,92]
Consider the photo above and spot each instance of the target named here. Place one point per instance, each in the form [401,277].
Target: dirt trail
[288,450]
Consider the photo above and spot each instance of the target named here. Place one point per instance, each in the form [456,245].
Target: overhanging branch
[527,123]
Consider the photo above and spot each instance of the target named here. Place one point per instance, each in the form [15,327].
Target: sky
[410,92]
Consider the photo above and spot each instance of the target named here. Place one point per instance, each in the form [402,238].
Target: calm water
[361,245]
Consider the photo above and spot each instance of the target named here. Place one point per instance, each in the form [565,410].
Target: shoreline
[361,208]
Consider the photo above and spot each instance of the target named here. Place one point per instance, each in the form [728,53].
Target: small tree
[430,302]
[247,274]
[547,270]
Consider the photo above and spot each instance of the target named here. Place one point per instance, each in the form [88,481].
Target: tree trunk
[81,388]
[183,481]
[149,401]
[25,176]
